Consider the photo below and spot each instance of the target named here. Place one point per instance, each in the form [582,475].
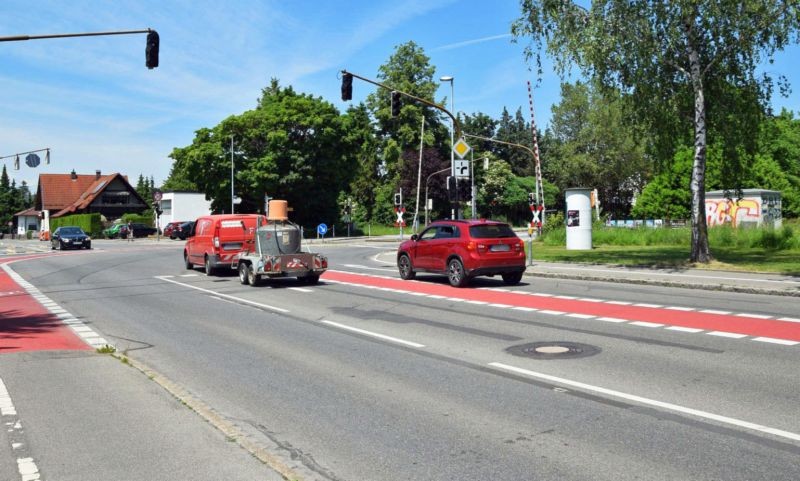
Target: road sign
[461,148]
[32,160]
[322,229]
[157,195]
[461,168]
[400,222]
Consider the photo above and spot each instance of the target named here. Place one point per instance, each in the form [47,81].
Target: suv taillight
[519,246]
[476,246]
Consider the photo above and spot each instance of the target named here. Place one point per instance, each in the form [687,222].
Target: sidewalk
[73,414]
[748,282]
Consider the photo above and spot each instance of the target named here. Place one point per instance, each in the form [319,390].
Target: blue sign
[322,229]
[32,160]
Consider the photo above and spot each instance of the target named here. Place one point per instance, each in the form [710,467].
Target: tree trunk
[700,251]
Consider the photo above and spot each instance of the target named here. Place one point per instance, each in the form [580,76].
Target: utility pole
[231,174]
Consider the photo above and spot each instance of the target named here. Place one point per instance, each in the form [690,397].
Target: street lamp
[231,174]
[449,78]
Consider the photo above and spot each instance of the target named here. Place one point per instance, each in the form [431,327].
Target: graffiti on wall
[747,211]
[724,211]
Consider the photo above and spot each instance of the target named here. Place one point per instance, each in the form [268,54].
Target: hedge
[90,223]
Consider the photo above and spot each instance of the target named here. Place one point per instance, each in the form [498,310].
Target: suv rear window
[491,231]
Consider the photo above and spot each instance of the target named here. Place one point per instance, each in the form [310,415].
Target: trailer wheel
[252,278]
[244,275]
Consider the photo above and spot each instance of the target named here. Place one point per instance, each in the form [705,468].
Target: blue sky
[95,104]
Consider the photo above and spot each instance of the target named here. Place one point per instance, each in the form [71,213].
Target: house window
[166,207]
[115,198]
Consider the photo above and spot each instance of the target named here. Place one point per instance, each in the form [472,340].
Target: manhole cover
[553,350]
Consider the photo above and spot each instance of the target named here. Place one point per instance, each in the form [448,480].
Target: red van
[216,240]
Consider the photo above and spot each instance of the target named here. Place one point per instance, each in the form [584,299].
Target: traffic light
[397,199]
[151,50]
[395,103]
[16,162]
[452,186]
[531,198]
[347,86]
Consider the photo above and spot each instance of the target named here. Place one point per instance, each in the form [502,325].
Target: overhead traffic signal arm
[348,77]
[151,50]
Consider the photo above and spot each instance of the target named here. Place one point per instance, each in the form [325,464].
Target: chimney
[73,175]
[97,175]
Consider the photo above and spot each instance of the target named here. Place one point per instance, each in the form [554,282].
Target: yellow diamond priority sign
[461,148]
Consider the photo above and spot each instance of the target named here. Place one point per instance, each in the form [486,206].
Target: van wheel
[208,268]
[187,262]
[244,274]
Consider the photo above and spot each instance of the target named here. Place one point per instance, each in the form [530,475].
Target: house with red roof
[67,194]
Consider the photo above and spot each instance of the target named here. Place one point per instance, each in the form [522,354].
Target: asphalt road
[365,377]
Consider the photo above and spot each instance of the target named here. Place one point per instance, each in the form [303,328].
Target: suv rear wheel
[512,278]
[404,266]
[456,274]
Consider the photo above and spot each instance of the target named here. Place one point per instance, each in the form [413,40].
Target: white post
[231,174]
[415,224]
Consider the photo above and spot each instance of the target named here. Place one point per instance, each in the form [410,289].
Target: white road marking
[789,319]
[301,289]
[754,316]
[676,308]
[524,309]
[434,296]
[226,296]
[772,340]
[732,335]
[651,402]
[6,405]
[611,319]
[581,316]
[186,275]
[501,306]
[27,469]
[552,313]
[589,299]
[373,334]
[653,306]
[646,324]
[714,311]
[619,303]
[691,330]
[480,303]
[568,298]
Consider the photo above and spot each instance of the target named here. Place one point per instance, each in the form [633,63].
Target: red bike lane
[736,324]
[27,325]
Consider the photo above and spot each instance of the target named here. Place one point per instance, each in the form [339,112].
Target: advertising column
[579,219]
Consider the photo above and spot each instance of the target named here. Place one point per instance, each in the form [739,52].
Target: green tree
[516,131]
[596,147]
[679,61]
[291,146]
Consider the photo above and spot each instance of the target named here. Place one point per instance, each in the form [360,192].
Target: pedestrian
[130,232]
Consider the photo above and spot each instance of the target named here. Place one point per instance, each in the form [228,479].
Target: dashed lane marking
[609,319]
[226,296]
[649,402]
[373,334]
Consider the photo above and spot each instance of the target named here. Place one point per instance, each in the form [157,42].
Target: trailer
[275,250]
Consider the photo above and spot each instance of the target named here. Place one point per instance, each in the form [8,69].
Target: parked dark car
[463,249]
[142,230]
[70,237]
[183,230]
[169,229]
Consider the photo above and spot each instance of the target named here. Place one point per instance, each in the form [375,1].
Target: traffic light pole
[414,97]
[151,49]
[525,147]
[16,38]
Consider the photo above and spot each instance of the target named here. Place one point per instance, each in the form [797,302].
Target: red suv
[463,249]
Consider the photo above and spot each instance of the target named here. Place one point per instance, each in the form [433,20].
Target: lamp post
[449,78]
[231,174]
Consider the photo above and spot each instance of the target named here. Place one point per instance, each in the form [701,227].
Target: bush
[90,223]
[138,219]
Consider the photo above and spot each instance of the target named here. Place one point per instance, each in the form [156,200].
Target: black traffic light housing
[397,199]
[151,50]
[396,103]
[452,188]
[347,86]
[531,199]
